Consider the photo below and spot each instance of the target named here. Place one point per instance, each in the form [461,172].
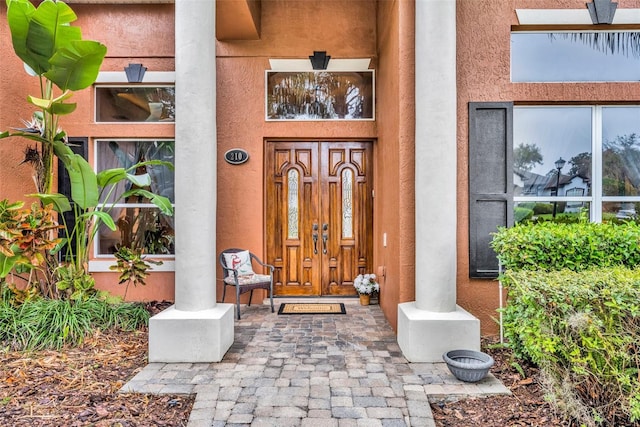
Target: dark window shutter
[79,146]
[490,181]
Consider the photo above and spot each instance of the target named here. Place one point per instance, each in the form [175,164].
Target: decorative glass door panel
[319,215]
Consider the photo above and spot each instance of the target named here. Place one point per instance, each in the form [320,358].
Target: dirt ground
[526,406]
[79,387]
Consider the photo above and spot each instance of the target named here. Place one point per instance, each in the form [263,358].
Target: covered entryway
[319,215]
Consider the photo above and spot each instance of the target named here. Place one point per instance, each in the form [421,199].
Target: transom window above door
[576,160]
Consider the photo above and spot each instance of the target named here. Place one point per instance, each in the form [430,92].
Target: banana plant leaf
[44,39]
[59,201]
[163,203]
[84,183]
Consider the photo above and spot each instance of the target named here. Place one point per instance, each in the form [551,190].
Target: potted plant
[366,285]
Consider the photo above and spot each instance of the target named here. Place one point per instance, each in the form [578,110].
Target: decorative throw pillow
[240,261]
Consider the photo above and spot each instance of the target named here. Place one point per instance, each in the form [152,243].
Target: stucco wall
[132,33]
[289,29]
[484,75]
[394,157]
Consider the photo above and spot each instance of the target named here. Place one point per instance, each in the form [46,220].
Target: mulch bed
[526,407]
[79,386]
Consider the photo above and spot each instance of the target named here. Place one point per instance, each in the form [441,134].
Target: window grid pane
[292,205]
[347,204]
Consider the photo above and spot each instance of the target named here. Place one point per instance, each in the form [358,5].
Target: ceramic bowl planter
[468,365]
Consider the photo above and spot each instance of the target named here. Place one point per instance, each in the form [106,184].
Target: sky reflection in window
[575,57]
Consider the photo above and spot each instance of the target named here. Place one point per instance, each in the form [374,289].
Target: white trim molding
[572,16]
[361,64]
[102,266]
[149,77]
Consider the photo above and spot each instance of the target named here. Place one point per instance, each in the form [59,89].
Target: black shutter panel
[78,146]
[490,181]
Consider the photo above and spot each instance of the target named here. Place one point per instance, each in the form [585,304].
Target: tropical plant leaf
[62,108]
[49,30]
[59,201]
[7,263]
[102,216]
[111,176]
[84,184]
[142,180]
[76,66]
[19,14]
[45,104]
[64,153]
[169,165]
[163,203]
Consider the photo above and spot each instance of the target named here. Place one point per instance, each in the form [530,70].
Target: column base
[203,336]
[424,336]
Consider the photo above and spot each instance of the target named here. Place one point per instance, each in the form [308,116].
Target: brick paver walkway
[311,370]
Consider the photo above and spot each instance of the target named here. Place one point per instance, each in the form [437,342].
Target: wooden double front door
[319,215]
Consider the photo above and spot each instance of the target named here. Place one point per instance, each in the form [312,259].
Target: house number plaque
[236,156]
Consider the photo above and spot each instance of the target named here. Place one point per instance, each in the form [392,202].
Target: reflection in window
[544,136]
[292,205]
[544,187]
[620,211]
[320,95]
[135,104]
[140,224]
[575,56]
[543,211]
[621,151]
[347,204]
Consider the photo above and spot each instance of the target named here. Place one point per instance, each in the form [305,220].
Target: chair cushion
[240,261]
[249,279]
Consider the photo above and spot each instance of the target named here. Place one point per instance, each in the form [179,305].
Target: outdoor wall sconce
[559,165]
[135,72]
[602,11]
[319,60]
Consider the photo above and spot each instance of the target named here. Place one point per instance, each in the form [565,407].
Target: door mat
[312,308]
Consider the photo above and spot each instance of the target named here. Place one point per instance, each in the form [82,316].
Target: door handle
[315,239]
[325,237]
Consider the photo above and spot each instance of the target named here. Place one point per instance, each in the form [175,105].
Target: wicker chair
[242,276]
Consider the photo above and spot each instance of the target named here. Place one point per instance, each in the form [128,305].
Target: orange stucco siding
[382,30]
[483,62]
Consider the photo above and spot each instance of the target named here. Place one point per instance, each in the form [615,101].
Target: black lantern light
[559,165]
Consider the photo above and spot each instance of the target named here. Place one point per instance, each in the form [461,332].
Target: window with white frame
[135,103]
[576,160]
[139,223]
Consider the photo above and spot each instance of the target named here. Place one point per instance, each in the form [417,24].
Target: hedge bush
[582,329]
[553,246]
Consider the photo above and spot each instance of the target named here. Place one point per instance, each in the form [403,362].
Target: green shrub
[555,246]
[583,331]
[521,214]
[46,323]
[543,208]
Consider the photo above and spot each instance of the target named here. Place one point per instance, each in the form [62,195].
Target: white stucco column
[195,329]
[433,323]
